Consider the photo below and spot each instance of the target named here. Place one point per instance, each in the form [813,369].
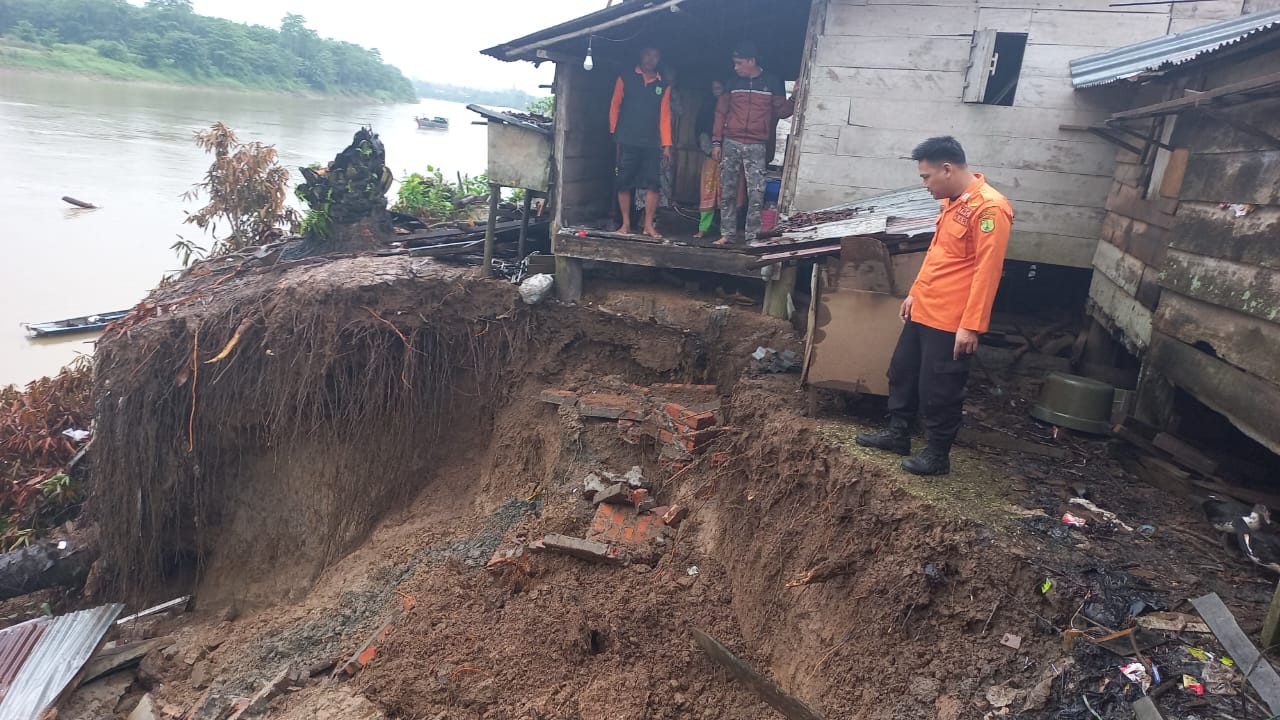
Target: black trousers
[925,379]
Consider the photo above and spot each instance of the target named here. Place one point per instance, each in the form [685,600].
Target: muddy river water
[127,148]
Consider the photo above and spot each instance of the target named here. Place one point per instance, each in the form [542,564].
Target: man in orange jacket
[948,307]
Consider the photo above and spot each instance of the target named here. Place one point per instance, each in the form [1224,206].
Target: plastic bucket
[772,189]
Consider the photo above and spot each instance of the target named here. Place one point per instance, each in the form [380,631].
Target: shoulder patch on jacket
[987,224]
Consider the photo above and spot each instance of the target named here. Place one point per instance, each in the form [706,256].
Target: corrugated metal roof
[1171,50]
[16,644]
[907,212]
[523,48]
[63,645]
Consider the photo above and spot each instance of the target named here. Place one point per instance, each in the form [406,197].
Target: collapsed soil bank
[376,430]
[260,420]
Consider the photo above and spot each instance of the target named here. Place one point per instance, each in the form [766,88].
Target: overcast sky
[438,40]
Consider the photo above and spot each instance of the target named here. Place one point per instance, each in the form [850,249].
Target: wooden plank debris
[788,706]
[1145,709]
[1186,455]
[1257,669]
[110,659]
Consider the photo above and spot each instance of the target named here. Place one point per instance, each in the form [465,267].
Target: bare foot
[652,232]
[699,235]
[723,242]
[624,230]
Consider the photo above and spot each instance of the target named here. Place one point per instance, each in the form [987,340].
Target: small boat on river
[432,123]
[88,323]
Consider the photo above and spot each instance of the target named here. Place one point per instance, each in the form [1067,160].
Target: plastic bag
[536,288]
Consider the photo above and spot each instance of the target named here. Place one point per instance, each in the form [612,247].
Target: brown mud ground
[315,490]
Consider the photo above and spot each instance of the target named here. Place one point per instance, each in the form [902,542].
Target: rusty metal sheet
[16,644]
[62,648]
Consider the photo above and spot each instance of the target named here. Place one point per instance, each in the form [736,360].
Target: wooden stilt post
[524,222]
[491,231]
[1271,626]
[568,279]
[777,290]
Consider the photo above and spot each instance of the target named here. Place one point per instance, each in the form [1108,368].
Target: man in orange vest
[948,307]
[640,121]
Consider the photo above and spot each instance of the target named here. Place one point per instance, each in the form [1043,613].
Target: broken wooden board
[788,706]
[1145,709]
[1257,669]
[1185,454]
[109,660]
[1172,622]
[1130,641]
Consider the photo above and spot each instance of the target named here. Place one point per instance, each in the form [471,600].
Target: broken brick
[609,406]
[580,548]
[623,525]
[675,515]
[673,410]
[559,397]
[366,653]
[685,387]
[666,436]
[635,497]
[699,421]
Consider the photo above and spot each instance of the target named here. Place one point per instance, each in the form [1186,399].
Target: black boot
[895,438]
[931,461]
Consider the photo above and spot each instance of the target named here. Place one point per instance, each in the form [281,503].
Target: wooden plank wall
[888,73]
[1218,318]
[582,147]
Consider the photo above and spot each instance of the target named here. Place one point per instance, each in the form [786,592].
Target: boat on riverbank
[88,323]
[432,123]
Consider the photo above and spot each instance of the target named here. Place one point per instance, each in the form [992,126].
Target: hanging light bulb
[587,63]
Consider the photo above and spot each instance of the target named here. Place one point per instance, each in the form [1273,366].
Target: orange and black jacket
[640,113]
[748,108]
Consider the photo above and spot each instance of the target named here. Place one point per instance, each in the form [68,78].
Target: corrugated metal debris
[907,212]
[1165,52]
[40,657]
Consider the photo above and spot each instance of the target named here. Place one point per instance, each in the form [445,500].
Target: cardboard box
[853,320]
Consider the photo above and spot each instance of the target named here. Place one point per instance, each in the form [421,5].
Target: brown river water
[127,148]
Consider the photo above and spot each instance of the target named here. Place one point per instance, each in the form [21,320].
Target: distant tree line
[168,35]
[510,98]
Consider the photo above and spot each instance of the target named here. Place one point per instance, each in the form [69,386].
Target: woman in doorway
[710,195]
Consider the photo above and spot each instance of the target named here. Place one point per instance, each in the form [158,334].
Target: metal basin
[1075,402]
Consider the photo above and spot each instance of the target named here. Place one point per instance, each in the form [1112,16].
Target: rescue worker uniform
[640,121]
[745,118]
[955,288]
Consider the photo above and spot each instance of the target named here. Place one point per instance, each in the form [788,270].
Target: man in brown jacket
[745,115]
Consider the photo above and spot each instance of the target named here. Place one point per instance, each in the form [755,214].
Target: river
[128,149]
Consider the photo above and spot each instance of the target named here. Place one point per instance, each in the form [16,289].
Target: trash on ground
[536,288]
[1011,641]
[1220,679]
[1137,672]
[1070,519]
[1261,675]
[77,435]
[692,571]
[1192,684]
[771,361]
[1104,514]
